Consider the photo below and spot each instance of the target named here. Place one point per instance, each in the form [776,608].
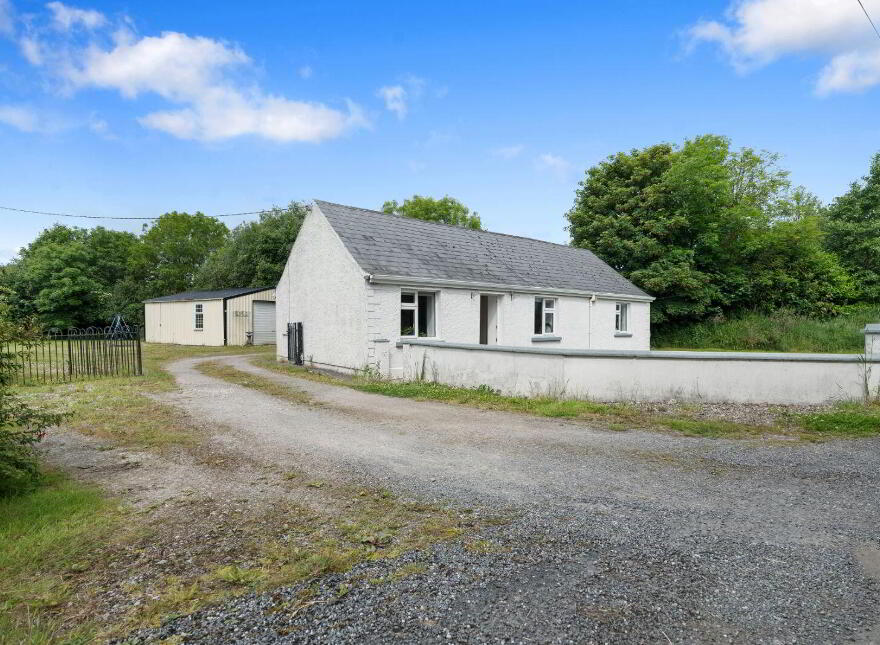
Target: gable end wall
[323,288]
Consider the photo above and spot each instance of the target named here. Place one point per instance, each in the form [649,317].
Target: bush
[19,471]
[781,331]
[21,426]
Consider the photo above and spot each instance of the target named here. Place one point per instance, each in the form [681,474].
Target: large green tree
[66,277]
[173,250]
[852,226]
[707,230]
[446,210]
[255,253]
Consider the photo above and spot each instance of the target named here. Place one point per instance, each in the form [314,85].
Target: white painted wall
[324,288]
[646,376]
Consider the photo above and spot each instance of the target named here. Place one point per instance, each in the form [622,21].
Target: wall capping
[653,355]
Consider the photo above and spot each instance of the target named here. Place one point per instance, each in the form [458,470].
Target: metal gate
[295,343]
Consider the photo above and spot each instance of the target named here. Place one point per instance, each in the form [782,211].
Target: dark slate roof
[209,295]
[384,244]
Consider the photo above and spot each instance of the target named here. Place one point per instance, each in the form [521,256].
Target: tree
[446,210]
[852,231]
[255,253]
[173,250]
[66,276]
[707,230]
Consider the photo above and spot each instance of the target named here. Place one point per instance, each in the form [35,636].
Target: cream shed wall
[172,322]
[323,288]
[237,327]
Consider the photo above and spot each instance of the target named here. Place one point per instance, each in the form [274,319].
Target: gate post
[872,340]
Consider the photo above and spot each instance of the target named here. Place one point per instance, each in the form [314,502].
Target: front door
[488,320]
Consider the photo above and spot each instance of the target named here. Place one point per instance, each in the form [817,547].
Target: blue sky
[137,109]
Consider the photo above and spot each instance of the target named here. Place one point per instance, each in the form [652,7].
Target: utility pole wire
[24,210]
[868,16]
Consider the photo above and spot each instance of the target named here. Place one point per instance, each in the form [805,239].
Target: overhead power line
[25,210]
[868,16]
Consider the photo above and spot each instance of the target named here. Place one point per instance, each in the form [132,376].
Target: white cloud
[758,32]
[851,72]
[554,164]
[196,74]
[19,118]
[305,71]
[399,98]
[7,20]
[395,99]
[31,49]
[65,18]
[508,152]
[28,119]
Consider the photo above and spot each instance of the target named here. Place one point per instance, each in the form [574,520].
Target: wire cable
[868,16]
[24,210]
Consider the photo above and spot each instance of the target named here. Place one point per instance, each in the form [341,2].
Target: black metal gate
[295,343]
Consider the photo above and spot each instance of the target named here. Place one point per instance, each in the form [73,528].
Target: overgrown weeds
[781,331]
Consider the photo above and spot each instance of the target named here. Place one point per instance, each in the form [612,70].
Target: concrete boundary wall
[620,375]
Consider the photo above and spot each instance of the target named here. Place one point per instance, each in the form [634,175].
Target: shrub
[21,426]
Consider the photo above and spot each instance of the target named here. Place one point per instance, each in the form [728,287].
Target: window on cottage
[621,317]
[198,316]
[418,314]
[545,315]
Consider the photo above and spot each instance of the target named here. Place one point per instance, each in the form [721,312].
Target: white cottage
[359,283]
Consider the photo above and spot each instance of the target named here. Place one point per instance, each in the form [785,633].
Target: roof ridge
[453,226]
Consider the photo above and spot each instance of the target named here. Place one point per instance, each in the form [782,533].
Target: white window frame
[621,318]
[414,306]
[198,310]
[553,311]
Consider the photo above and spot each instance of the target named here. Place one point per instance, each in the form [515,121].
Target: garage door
[264,322]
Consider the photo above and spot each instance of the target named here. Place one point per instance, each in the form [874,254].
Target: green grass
[845,419]
[778,332]
[48,537]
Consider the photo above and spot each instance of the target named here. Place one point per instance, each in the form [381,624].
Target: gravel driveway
[617,537]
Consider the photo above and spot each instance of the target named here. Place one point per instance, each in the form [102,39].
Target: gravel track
[618,537]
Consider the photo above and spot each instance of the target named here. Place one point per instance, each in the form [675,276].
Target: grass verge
[615,416]
[844,420]
[849,419]
[239,377]
[47,538]
[121,410]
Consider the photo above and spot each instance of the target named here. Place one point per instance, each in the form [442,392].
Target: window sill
[623,334]
[546,339]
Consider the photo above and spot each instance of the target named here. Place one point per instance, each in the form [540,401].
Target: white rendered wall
[323,288]
[646,376]
[580,324]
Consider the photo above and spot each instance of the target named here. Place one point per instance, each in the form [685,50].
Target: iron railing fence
[76,354]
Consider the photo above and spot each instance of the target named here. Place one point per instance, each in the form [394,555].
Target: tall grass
[782,331]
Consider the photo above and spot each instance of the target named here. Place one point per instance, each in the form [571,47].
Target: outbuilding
[241,316]
[358,284]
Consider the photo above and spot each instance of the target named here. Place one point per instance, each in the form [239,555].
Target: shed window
[545,315]
[418,314]
[621,317]
[198,316]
